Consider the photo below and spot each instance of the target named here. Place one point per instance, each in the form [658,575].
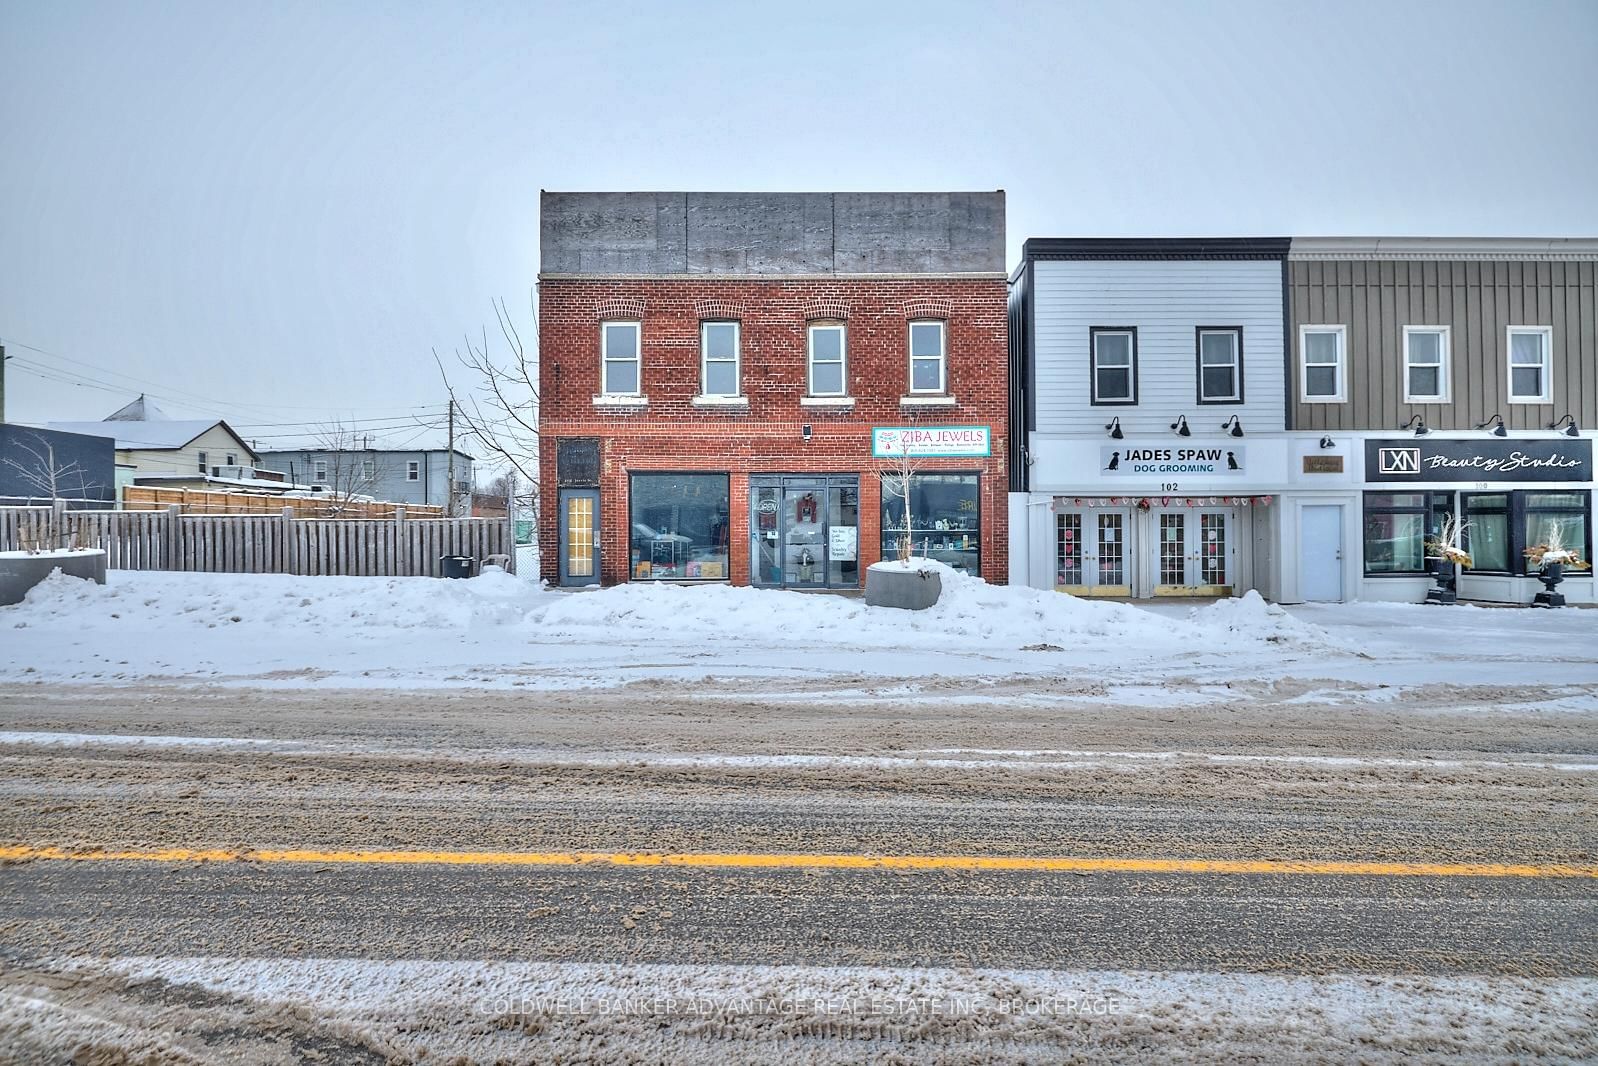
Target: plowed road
[754,827]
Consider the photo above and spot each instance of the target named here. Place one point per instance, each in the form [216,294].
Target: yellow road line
[717,860]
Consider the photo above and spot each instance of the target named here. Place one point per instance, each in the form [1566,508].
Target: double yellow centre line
[758,861]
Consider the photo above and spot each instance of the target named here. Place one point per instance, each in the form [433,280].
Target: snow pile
[137,601]
[970,612]
[1249,615]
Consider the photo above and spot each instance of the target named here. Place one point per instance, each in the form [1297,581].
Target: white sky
[272,215]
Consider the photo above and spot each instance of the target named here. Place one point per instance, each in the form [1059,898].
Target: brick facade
[672,434]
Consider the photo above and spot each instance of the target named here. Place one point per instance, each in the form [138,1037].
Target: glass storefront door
[1091,553]
[1194,552]
[804,531]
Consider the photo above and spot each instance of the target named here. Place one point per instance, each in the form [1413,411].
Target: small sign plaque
[1323,464]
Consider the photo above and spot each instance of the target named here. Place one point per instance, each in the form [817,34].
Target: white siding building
[1151,384]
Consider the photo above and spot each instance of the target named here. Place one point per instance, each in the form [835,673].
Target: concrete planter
[20,571]
[892,585]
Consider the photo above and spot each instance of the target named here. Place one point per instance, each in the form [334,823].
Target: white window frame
[413,470]
[737,357]
[1130,333]
[232,459]
[1236,365]
[843,358]
[942,356]
[319,471]
[1341,365]
[637,358]
[203,457]
[1445,355]
[1547,334]
[369,469]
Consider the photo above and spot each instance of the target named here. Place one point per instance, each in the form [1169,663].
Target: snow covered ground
[503,1011]
[499,631]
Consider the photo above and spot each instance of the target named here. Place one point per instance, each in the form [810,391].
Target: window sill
[1428,401]
[826,401]
[1531,401]
[928,400]
[720,401]
[611,400]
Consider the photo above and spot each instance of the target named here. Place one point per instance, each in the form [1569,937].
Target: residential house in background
[1148,454]
[725,376]
[1459,377]
[151,447]
[394,475]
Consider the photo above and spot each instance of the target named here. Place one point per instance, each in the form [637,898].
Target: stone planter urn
[911,586]
[20,571]
[1550,574]
[1446,573]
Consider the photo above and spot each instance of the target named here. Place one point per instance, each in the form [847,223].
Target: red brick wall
[766,437]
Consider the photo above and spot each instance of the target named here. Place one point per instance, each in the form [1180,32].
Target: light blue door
[1320,554]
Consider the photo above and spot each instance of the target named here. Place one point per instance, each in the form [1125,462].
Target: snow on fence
[269,544]
[205,501]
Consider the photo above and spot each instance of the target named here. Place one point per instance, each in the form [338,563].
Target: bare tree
[40,470]
[500,411]
[343,466]
[899,469]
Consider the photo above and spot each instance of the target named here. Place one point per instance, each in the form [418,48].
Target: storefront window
[679,527]
[1487,532]
[1396,527]
[1556,518]
[945,522]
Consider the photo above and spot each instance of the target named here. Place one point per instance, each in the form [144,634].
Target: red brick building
[725,377]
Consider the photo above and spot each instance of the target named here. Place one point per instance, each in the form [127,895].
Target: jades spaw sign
[1206,460]
[1421,459]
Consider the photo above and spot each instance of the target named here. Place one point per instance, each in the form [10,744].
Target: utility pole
[449,487]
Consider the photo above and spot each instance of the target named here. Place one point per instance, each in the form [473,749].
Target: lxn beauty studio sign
[1202,460]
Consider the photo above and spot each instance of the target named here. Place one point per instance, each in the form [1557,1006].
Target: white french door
[1195,552]
[1091,552]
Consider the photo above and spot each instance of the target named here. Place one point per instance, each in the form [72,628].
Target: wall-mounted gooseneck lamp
[1418,424]
[1113,427]
[1571,429]
[1497,422]
[1235,424]
[1327,442]
[1179,427]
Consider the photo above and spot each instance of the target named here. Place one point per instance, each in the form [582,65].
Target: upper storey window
[1323,353]
[1114,370]
[718,348]
[828,360]
[619,350]
[928,366]
[1220,364]
[1531,369]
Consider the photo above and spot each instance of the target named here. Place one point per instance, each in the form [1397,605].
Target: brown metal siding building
[1476,288]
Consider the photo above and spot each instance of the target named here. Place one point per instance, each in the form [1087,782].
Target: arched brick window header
[718,309]
[928,309]
[826,309]
[621,307]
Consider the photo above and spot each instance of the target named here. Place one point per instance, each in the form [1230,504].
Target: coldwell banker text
[1168,461]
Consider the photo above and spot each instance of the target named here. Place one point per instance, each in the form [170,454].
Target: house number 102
[1168,486]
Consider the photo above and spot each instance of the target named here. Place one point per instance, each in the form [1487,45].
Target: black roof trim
[1156,248]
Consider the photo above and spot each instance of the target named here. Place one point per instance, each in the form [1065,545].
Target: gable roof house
[154,446]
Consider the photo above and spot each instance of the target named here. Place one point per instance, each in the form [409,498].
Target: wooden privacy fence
[197,501]
[268,544]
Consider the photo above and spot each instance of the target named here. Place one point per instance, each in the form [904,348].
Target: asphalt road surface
[194,875]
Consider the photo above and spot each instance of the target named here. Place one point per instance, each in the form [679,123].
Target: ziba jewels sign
[930,442]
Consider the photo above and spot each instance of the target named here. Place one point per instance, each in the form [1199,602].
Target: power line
[175,395]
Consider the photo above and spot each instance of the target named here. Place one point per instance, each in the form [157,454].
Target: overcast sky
[271,213]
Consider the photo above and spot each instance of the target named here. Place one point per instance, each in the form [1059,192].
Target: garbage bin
[455,565]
